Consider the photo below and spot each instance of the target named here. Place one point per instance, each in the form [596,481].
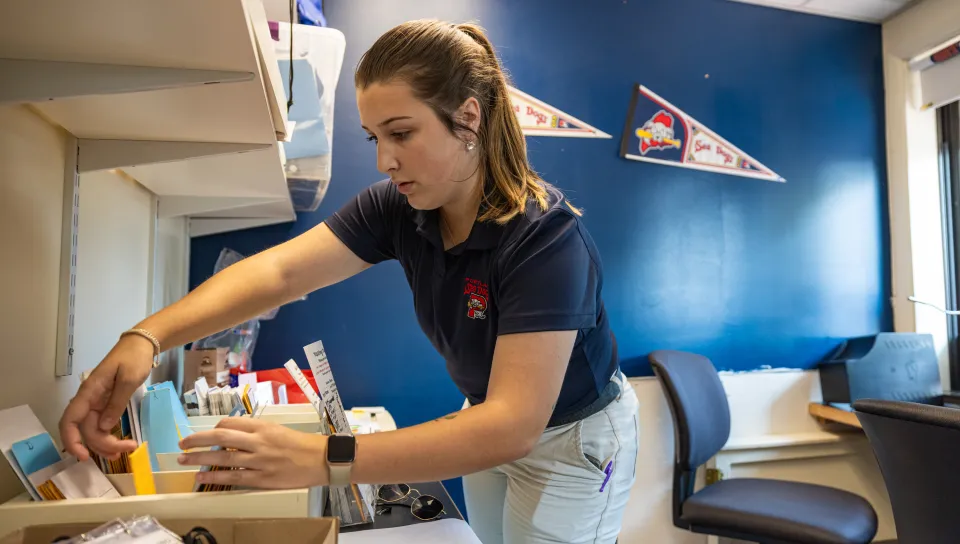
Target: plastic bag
[315,60]
[240,342]
[119,531]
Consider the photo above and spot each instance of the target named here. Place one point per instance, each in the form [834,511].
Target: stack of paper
[45,474]
[266,392]
[220,401]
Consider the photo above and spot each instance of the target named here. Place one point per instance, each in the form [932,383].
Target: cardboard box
[225,530]
[209,363]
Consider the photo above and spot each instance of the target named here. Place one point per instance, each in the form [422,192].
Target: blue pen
[609,472]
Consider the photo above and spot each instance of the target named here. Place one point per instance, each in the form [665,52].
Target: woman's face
[427,163]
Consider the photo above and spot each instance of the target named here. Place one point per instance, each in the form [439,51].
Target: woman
[506,283]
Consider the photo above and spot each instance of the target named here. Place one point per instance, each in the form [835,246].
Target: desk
[827,414]
[401,516]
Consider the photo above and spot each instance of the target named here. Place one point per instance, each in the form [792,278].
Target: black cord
[293,8]
[199,535]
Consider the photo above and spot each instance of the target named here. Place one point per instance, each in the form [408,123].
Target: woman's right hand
[102,399]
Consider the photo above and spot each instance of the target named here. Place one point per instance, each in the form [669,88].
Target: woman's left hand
[269,455]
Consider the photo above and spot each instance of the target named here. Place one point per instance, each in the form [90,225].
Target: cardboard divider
[308,426]
[276,417]
[180,481]
[300,408]
[168,462]
[274,412]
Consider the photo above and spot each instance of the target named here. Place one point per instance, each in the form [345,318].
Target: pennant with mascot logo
[659,132]
[538,118]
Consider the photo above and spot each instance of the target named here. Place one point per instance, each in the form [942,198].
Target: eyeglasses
[423,507]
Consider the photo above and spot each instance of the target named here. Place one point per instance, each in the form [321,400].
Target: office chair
[758,510]
[917,447]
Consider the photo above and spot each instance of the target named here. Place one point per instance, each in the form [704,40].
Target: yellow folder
[142,472]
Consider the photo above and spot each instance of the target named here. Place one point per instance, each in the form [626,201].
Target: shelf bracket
[42,80]
[68,261]
[107,154]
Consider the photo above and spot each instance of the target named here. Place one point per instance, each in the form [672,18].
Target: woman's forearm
[524,384]
[237,293]
[464,442]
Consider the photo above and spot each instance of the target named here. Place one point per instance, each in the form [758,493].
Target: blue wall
[747,272]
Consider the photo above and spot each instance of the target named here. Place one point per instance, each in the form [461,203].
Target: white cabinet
[183,96]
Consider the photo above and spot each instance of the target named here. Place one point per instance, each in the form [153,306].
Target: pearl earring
[470,146]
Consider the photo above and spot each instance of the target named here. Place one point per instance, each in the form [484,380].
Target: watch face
[341,449]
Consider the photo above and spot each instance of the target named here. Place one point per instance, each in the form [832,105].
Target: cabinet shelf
[203,60]
[186,97]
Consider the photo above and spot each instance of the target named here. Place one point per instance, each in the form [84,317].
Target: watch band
[339,475]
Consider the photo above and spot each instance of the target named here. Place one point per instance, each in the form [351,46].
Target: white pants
[553,494]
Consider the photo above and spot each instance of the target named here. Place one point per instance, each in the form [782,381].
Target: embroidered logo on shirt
[477,295]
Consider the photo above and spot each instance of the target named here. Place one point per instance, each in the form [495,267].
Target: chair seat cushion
[782,510]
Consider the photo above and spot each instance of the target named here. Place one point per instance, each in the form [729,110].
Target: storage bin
[22,512]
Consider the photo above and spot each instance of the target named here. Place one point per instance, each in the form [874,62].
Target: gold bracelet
[153,340]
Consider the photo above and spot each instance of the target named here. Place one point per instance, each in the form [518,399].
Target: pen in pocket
[608,471]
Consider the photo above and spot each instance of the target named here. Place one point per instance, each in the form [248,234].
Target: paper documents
[18,424]
[363,496]
[84,480]
[133,412]
[301,380]
[35,453]
[41,476]
[320,366]
[444,531]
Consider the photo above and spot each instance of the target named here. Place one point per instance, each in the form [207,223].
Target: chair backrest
[918,449]
[701,415]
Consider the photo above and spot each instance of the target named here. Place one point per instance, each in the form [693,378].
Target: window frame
[948,139]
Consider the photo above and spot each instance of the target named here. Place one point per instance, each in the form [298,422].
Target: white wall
[31,187]
[112,269]
[170,284]
[113,263]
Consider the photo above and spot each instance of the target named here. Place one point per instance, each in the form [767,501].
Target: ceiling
[871,11]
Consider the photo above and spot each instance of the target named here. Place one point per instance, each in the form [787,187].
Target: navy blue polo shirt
[539,272]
